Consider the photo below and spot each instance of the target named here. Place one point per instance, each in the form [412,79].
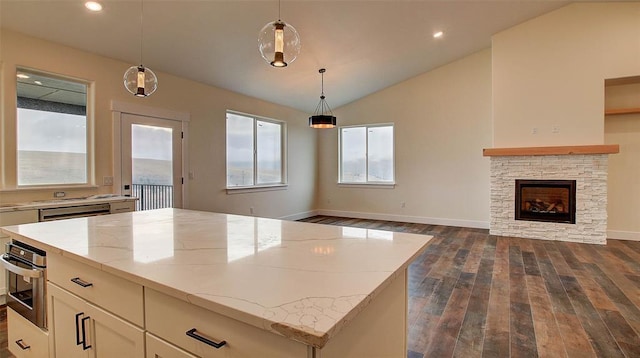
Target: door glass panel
[152,166]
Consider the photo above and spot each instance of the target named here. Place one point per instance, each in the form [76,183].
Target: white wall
[549,72]
[206,147]
[442,122]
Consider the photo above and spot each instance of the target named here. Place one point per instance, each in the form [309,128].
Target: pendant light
[322,117]
[279,42]
[139,80]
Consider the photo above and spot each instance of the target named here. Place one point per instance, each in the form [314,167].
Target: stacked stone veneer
[590,173]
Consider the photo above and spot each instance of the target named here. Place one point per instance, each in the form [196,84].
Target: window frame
[367,183]
[89,134]
[283,184]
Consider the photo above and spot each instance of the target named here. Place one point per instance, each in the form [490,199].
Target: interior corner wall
[207,106]
[548,73]
[623,202]
[442,121]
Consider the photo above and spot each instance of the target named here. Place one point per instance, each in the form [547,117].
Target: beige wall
[206,142]
[624,168]
[442,121]
[549,72]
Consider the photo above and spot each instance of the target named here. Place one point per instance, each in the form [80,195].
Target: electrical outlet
[534,130]
[251,210]
[107,181]
[192,175]
[555,129]
[403,204]
[59,194]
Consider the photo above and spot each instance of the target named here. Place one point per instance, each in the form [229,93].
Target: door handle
[78,341]
[84,334]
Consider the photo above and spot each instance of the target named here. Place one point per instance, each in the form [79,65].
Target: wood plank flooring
[476,295]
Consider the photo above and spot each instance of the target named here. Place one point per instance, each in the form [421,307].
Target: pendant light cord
[279,11]
[141,29]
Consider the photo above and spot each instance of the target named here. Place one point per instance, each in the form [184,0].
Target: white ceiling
[364,45]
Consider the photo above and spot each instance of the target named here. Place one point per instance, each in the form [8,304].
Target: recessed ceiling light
[437,35]
[93,5]
[38,83]
[22,75]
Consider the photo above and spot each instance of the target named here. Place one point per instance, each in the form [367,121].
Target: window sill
[368,185]
[255,189]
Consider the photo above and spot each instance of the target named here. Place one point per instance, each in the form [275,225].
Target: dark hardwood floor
[472,294]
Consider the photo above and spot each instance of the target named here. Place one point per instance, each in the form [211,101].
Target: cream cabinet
[80,329]
[25,339]
[210,335]
[158,348]
[122,206]
[93,313]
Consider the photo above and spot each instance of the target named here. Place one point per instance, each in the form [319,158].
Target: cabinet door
[66,323]
[114,337]
[81,329]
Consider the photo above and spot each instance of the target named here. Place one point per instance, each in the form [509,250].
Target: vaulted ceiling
[364,45]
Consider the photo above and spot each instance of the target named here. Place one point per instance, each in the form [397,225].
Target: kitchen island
[187,281]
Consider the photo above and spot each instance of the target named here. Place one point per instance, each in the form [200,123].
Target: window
[52,130]
[255,151]
[366,154]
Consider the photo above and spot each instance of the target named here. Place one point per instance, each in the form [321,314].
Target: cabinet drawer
[117,295]
[171,318]
[158,348]
[122,207]
[23,333]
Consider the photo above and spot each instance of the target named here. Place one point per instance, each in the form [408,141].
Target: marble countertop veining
[58,203]
[301,280]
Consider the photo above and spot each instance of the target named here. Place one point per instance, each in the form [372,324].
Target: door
[81,329]
[68,323]
[152,161]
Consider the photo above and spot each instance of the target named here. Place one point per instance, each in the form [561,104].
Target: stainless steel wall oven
[26,281]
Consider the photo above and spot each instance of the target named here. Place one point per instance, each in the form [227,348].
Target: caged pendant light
[322,117]
[279,42]
[139,80]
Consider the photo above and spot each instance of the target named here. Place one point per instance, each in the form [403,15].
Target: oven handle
[32,273]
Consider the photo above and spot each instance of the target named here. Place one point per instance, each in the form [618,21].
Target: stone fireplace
[548,213]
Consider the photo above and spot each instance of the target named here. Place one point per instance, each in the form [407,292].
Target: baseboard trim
[623,235]
[298,216]
[404,218]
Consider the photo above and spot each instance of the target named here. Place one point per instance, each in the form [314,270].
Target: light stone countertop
[59,203]
[300,280]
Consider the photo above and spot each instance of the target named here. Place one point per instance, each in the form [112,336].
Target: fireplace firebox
[546,200]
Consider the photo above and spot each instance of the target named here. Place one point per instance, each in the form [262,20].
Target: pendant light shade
[139,80]
[322,117]
[279,43]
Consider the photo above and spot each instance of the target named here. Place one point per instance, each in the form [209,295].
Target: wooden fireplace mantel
[561,150]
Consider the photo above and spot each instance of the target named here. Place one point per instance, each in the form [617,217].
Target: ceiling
[364,45]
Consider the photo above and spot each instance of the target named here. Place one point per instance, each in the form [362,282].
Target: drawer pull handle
[192,333]
[21,344]
[84,336]
[80,282]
